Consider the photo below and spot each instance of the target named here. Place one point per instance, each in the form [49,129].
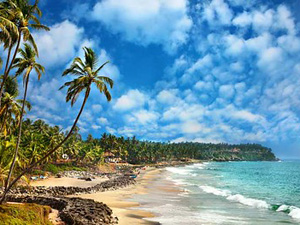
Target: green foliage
[62,167]
[51,168]
[24,214]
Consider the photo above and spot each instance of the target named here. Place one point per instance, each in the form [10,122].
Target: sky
[206,71]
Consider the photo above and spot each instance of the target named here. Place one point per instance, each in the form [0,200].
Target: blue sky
[207,71]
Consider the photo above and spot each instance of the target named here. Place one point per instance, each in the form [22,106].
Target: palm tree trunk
[7,70]
[19,136]
[3,123]
[30,167]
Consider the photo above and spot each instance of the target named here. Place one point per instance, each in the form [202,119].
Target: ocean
[258,193]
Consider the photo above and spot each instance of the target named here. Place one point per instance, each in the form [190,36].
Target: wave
[236,197]
[215,191]
[248,201]
[179,170]
[200,166]
[292,211]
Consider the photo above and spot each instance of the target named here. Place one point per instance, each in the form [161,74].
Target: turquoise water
[262,193]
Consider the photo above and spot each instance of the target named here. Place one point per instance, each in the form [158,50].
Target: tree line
[18,18]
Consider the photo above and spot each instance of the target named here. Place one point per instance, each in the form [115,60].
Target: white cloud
[143,117]
[167,96]
[96,127]
[132,99]
[218,11]
[146,21]
[192,127]
[242,20]
[59,45]
[285,20]
[262,21]
[235,45]
[271,58]
[226,91]
[289,43]
[259,43]
[102,121]
[201,63]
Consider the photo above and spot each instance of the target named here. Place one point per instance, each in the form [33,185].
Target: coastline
[120,200]
[128,204]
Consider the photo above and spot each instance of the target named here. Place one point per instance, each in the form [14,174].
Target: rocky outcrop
[82,174]
[73,211]
[112,184]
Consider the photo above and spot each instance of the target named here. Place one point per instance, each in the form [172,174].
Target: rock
[75,211]
[112,184]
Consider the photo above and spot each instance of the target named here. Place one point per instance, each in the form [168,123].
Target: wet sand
[119,200]
[122,207]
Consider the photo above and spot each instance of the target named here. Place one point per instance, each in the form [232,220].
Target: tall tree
[87,73]
[11,107]
[25,64]
[25,17]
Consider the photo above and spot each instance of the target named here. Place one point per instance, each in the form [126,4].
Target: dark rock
[73,211]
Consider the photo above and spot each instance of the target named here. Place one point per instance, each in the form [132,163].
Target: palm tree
[87,74]
[11,107]
[25,65]
[24,16]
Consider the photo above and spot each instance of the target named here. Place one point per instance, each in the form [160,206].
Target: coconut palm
[10,109]
[7,27]
[86,73]
[24,16]
[25,64]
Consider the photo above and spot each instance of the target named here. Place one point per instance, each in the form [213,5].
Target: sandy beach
[67,182]
[119,202]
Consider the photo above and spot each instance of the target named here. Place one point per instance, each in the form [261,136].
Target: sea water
[228,193]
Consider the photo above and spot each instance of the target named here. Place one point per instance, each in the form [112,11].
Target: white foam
[248,201]
[180,182]
[283,208]
[295,212]
[197,166]
[215,191]
[235,198]
[181,171]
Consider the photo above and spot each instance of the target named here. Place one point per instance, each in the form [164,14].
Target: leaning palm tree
[25,64]
[24,16]
[87,73]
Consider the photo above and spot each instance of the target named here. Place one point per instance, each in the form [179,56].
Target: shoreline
[120,200]
[127,203]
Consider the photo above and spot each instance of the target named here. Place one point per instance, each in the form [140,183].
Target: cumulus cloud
[237,79]
[167,96]
[217,12]
[145,22]
[132,99]
[58,46]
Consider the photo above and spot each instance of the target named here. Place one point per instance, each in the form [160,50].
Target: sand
[117,200]
[67,182]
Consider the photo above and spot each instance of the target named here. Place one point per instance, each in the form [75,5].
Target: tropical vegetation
[26,145]
[17,19]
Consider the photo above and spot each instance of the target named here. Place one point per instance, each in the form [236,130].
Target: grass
[24,214]
[62,167]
